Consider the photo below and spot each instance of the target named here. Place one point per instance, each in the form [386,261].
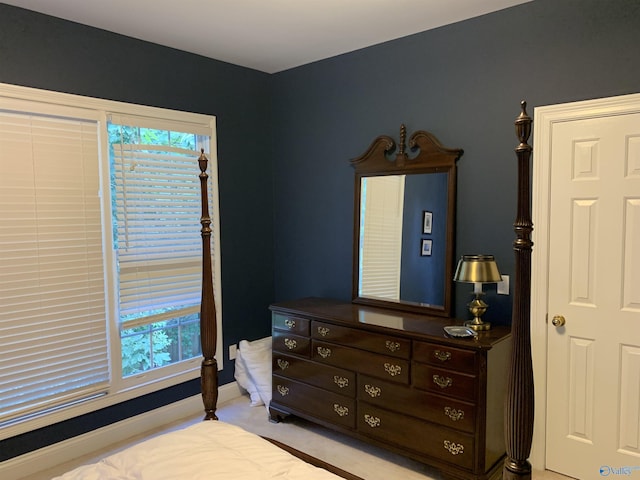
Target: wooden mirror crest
[404,223]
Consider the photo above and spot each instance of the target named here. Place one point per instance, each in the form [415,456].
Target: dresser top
[383,320]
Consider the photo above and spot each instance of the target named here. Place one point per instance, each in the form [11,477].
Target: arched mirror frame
[431,157]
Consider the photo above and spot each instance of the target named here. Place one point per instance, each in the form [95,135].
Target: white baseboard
[96,440]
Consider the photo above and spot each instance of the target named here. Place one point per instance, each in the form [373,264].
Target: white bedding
[206,450]
[253,370]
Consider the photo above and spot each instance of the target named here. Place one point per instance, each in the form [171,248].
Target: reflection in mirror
[393,265]
[404,224]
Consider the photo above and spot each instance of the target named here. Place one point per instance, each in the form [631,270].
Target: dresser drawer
[416,435]
[389,368]
[373,342]
[417,403]
[445,382]
[446,357]
[290,343]
[287,323]
[316,402]
[324,376]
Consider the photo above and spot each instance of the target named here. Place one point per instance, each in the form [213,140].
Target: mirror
[404,224]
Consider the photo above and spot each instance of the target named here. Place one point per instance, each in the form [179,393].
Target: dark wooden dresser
[394,379]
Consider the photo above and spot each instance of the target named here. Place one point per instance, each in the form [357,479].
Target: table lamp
[477,269]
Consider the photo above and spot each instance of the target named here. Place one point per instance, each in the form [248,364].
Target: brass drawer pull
[454,414]
[282,390]
[372,390]
[341,410]
[392,346]
[290,343]
[373,422]
[283,364]
[453,448]
[290,323]
[342,382]
[442,382]
[442,356]
[324,352]
[323,331]
[392,370]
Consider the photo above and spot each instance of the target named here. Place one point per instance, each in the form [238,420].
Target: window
[52,276]
[158,254]
[100,252]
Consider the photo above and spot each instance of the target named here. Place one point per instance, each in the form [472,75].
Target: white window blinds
[381,243]
[53,337]
[157,210]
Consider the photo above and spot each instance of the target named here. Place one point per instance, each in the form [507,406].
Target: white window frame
[16,97]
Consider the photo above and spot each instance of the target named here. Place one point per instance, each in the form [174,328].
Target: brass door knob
[558,321]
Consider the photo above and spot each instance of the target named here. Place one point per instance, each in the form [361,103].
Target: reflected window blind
[381,244]
[53,332]
[157,210]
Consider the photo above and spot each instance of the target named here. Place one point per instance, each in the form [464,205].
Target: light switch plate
[503,286]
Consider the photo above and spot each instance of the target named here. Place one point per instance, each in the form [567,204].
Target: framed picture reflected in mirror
[425,249]
[427,221]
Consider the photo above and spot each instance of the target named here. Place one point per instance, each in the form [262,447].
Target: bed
[206,450]
[213,449]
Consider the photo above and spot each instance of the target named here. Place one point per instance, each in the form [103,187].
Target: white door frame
[544,119]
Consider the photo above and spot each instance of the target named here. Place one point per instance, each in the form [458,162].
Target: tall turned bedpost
[519,403]
[208,329]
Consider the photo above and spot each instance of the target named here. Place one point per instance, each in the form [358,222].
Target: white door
[593,361]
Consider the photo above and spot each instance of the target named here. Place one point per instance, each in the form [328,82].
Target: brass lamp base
[478,327]
[477,307]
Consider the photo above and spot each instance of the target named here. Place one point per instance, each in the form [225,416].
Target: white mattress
[206,450]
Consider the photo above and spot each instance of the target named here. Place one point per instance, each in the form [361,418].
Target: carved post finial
[523,127]
[401,156]
[202,162]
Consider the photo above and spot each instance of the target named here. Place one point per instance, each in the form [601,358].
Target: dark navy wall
[462,82]
[44,52]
